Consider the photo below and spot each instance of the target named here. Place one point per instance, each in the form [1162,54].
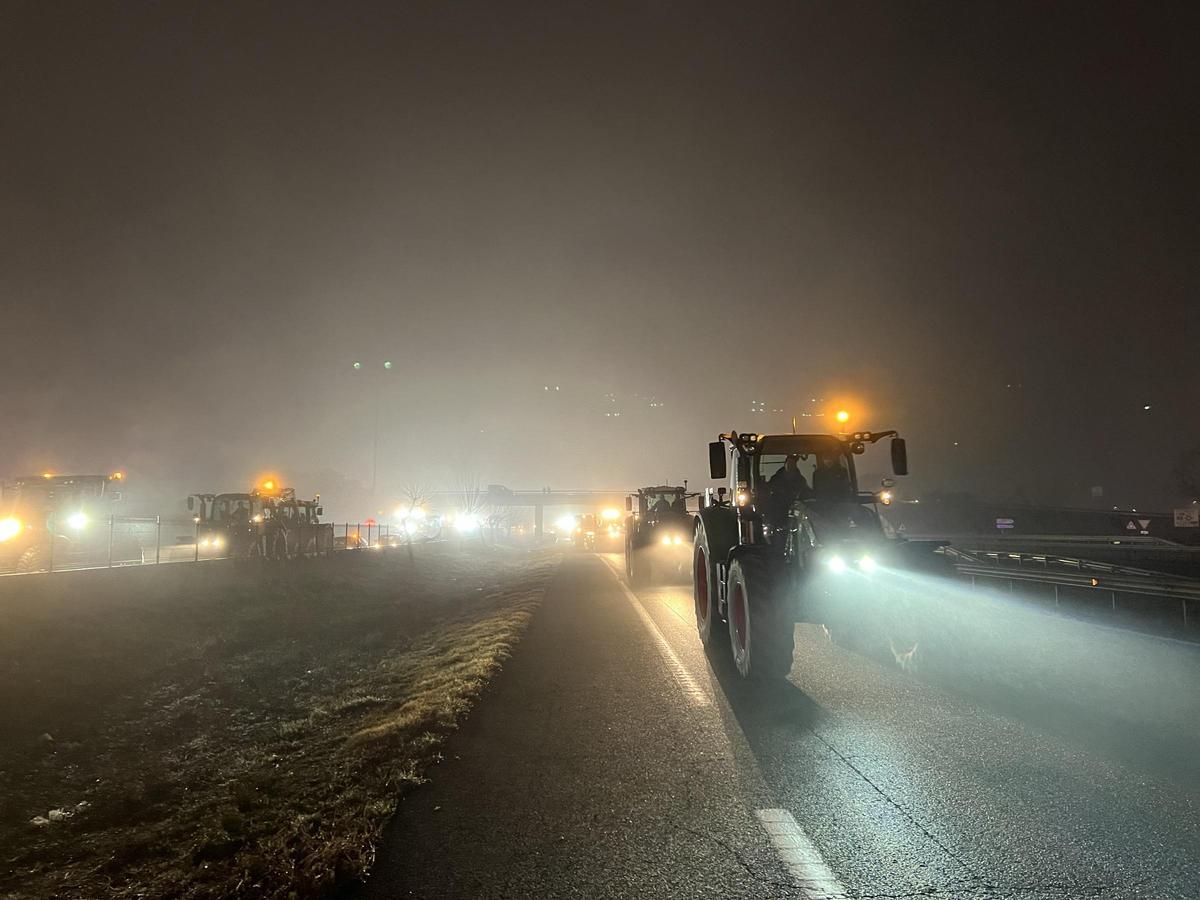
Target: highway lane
[614,758]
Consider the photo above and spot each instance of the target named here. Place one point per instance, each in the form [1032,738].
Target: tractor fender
[720,527]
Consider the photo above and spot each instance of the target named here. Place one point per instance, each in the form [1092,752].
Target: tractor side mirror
[716,460]
[320,510]
[899,456]
[628,504]
[191,503]
[887,483]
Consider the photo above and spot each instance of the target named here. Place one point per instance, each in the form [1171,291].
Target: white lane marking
[691,689]
[799,854]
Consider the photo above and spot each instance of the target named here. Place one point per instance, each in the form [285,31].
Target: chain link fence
[123,541]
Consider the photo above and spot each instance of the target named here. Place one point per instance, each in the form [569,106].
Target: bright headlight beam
[9,528]
[466,522]
[78,521]
[836,564]
[867,564]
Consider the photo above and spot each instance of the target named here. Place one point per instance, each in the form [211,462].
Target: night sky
[975,222]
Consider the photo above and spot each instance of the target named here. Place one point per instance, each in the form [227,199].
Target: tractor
[266,522]
[58,521]
[657,532]
[791,518]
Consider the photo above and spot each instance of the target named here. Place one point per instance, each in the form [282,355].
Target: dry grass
[245,735]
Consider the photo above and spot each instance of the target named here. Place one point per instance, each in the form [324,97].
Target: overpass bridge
[500,496]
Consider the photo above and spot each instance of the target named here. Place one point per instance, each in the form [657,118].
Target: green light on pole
[387,364]
[358,365]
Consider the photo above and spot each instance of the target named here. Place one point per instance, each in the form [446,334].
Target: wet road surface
[614,758]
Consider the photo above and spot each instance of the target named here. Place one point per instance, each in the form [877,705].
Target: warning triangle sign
[1131,525]
[1145,523]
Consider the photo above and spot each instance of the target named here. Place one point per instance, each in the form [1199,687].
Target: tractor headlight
[868,564]
[678,539]
[9,528]
[77,521]
[836,564]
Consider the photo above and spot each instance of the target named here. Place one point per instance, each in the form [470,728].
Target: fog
[973,224]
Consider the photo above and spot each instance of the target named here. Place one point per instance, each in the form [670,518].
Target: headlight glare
[9,528]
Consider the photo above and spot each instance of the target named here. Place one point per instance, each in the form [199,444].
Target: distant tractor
[266,522]
[658,533]
[792,511]
[599,531]
[57,521]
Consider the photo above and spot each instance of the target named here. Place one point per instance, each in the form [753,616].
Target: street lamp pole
[376,382]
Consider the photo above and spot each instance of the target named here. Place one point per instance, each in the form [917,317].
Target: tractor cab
[775,476]
[226,524]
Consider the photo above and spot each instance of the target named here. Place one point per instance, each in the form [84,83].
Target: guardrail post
[112,522]
[1183,603]
[1056,595]
[157,539]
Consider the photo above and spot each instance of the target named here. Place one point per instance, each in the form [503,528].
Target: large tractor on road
[792,513]
[657,533]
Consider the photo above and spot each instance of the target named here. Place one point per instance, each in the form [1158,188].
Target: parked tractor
[657,533]
[791,518]
[266,522]
[57,521]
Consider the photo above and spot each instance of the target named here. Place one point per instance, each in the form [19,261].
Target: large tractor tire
[709,623]
[637,565]
[761,631]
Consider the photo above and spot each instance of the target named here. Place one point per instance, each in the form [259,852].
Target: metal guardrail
[1072,572]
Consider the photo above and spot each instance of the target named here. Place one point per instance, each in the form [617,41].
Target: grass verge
[247,734]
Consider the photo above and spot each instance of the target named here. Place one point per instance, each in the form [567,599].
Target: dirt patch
[244,733]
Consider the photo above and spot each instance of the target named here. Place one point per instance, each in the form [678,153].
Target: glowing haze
[590,236]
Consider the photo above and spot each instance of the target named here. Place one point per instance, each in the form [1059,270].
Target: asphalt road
[614,758]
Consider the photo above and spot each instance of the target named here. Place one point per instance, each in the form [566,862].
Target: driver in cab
[785,487]
[831,481]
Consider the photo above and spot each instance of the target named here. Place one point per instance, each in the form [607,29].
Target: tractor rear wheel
[761,632]
[709,624]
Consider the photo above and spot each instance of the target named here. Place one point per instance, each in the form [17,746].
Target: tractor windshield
[231,507]
[821,469]
[665,501]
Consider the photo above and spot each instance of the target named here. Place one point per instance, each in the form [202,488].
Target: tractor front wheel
[761,632]
[709,624]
